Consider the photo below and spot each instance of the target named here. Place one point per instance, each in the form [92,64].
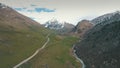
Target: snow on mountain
[54,24]
[110,17]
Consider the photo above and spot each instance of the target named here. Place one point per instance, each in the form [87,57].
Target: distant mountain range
[54,24]
[99,48]
[59,27]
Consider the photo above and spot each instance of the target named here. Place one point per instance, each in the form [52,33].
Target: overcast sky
[70,11]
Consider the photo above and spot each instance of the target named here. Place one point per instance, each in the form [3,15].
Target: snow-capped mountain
[54,24]
[110,17]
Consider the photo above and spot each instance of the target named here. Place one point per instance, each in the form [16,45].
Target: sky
[71,11]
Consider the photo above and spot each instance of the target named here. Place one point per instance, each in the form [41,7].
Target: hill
[81,28]
[100,46]
[19,36]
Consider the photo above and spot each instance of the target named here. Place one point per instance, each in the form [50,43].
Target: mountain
[67,28]
[68,25]
[53,24]
[13,20]
[107,18]
[19,36]
[100,46]
[82,27]
[59,27]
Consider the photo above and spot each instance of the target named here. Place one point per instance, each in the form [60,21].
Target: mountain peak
[53,24]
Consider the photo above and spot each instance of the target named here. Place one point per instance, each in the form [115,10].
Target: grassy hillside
[18,45]
[20,37]
[57,54]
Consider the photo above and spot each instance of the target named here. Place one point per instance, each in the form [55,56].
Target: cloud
[35,9]
[44,10]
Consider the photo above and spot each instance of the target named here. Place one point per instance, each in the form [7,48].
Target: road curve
[36,52]
[75,55]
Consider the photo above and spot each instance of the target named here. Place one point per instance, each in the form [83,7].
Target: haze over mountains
[71,11]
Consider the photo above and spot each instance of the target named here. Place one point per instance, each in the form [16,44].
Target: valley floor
[57,54]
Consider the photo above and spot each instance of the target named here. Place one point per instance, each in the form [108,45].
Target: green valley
[57,54]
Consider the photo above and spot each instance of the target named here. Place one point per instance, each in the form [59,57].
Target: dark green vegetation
[100,48]
[57,54]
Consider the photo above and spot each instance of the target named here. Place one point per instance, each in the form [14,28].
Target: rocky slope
[82,27]
[100,46]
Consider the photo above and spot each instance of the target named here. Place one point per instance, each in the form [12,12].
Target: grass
[15,46]
[57,54]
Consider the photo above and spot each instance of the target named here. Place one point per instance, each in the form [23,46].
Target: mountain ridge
[106,17]
[99,48]
[12,18]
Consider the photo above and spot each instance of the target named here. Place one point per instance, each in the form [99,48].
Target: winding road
[36,52]
[80,60]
